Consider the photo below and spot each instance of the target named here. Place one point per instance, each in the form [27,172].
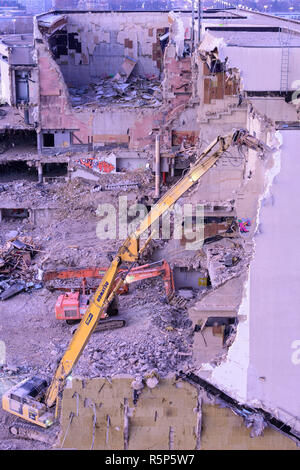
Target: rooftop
[17,40]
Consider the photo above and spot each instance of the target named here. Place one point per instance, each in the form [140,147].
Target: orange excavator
[71,306]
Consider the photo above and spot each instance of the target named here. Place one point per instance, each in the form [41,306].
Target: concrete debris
[12,234]
[125,186]
[11,291]
[230,260]
[152,380]
[16,265]
[186,293]
[257,424]
[138,92]
[27,194]
[226,259]
[126,70]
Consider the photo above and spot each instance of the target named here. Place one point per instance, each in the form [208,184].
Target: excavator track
[107,324]
[26,431]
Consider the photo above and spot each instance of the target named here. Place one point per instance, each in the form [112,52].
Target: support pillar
[193,25]
[200,6]
[40,172]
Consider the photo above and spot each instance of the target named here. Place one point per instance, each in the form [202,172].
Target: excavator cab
[72,306]
[25,400]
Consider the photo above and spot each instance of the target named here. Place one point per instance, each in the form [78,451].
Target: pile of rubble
[226,259]
[21,192]
[157,338]
[16,271]
[135,93]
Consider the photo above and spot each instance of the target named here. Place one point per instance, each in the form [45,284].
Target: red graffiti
[87,162]
[105,167]
[94,164]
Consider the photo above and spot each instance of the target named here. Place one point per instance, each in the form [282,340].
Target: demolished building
[99,97]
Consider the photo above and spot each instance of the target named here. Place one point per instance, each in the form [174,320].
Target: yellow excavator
[32,399]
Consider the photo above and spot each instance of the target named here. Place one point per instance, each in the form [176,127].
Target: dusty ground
[156,336]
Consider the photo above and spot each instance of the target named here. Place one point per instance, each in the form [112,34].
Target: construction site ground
[157,336]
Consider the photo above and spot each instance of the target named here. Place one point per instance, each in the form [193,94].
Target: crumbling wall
[251,371]
[96,44]
[223,302]
[104,126]
[55,111]
[109,127]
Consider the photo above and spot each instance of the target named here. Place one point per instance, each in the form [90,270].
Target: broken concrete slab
[126,69]
[13,290]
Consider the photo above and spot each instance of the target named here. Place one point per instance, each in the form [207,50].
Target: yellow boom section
[83,333]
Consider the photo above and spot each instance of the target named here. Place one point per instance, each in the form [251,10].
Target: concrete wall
[130,128]
[21,56]
[5,82]
[261,367]
[275,108]
[102,40]
[55,111]
[261,67]
[274,278]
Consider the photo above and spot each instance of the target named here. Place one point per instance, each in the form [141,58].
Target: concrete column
[199,20]
[40,172]
[32,216]
[39,137]
[157,166]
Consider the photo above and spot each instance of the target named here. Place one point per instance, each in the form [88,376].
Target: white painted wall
[263,365]
[275,293]
[261,66]
[5,82]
